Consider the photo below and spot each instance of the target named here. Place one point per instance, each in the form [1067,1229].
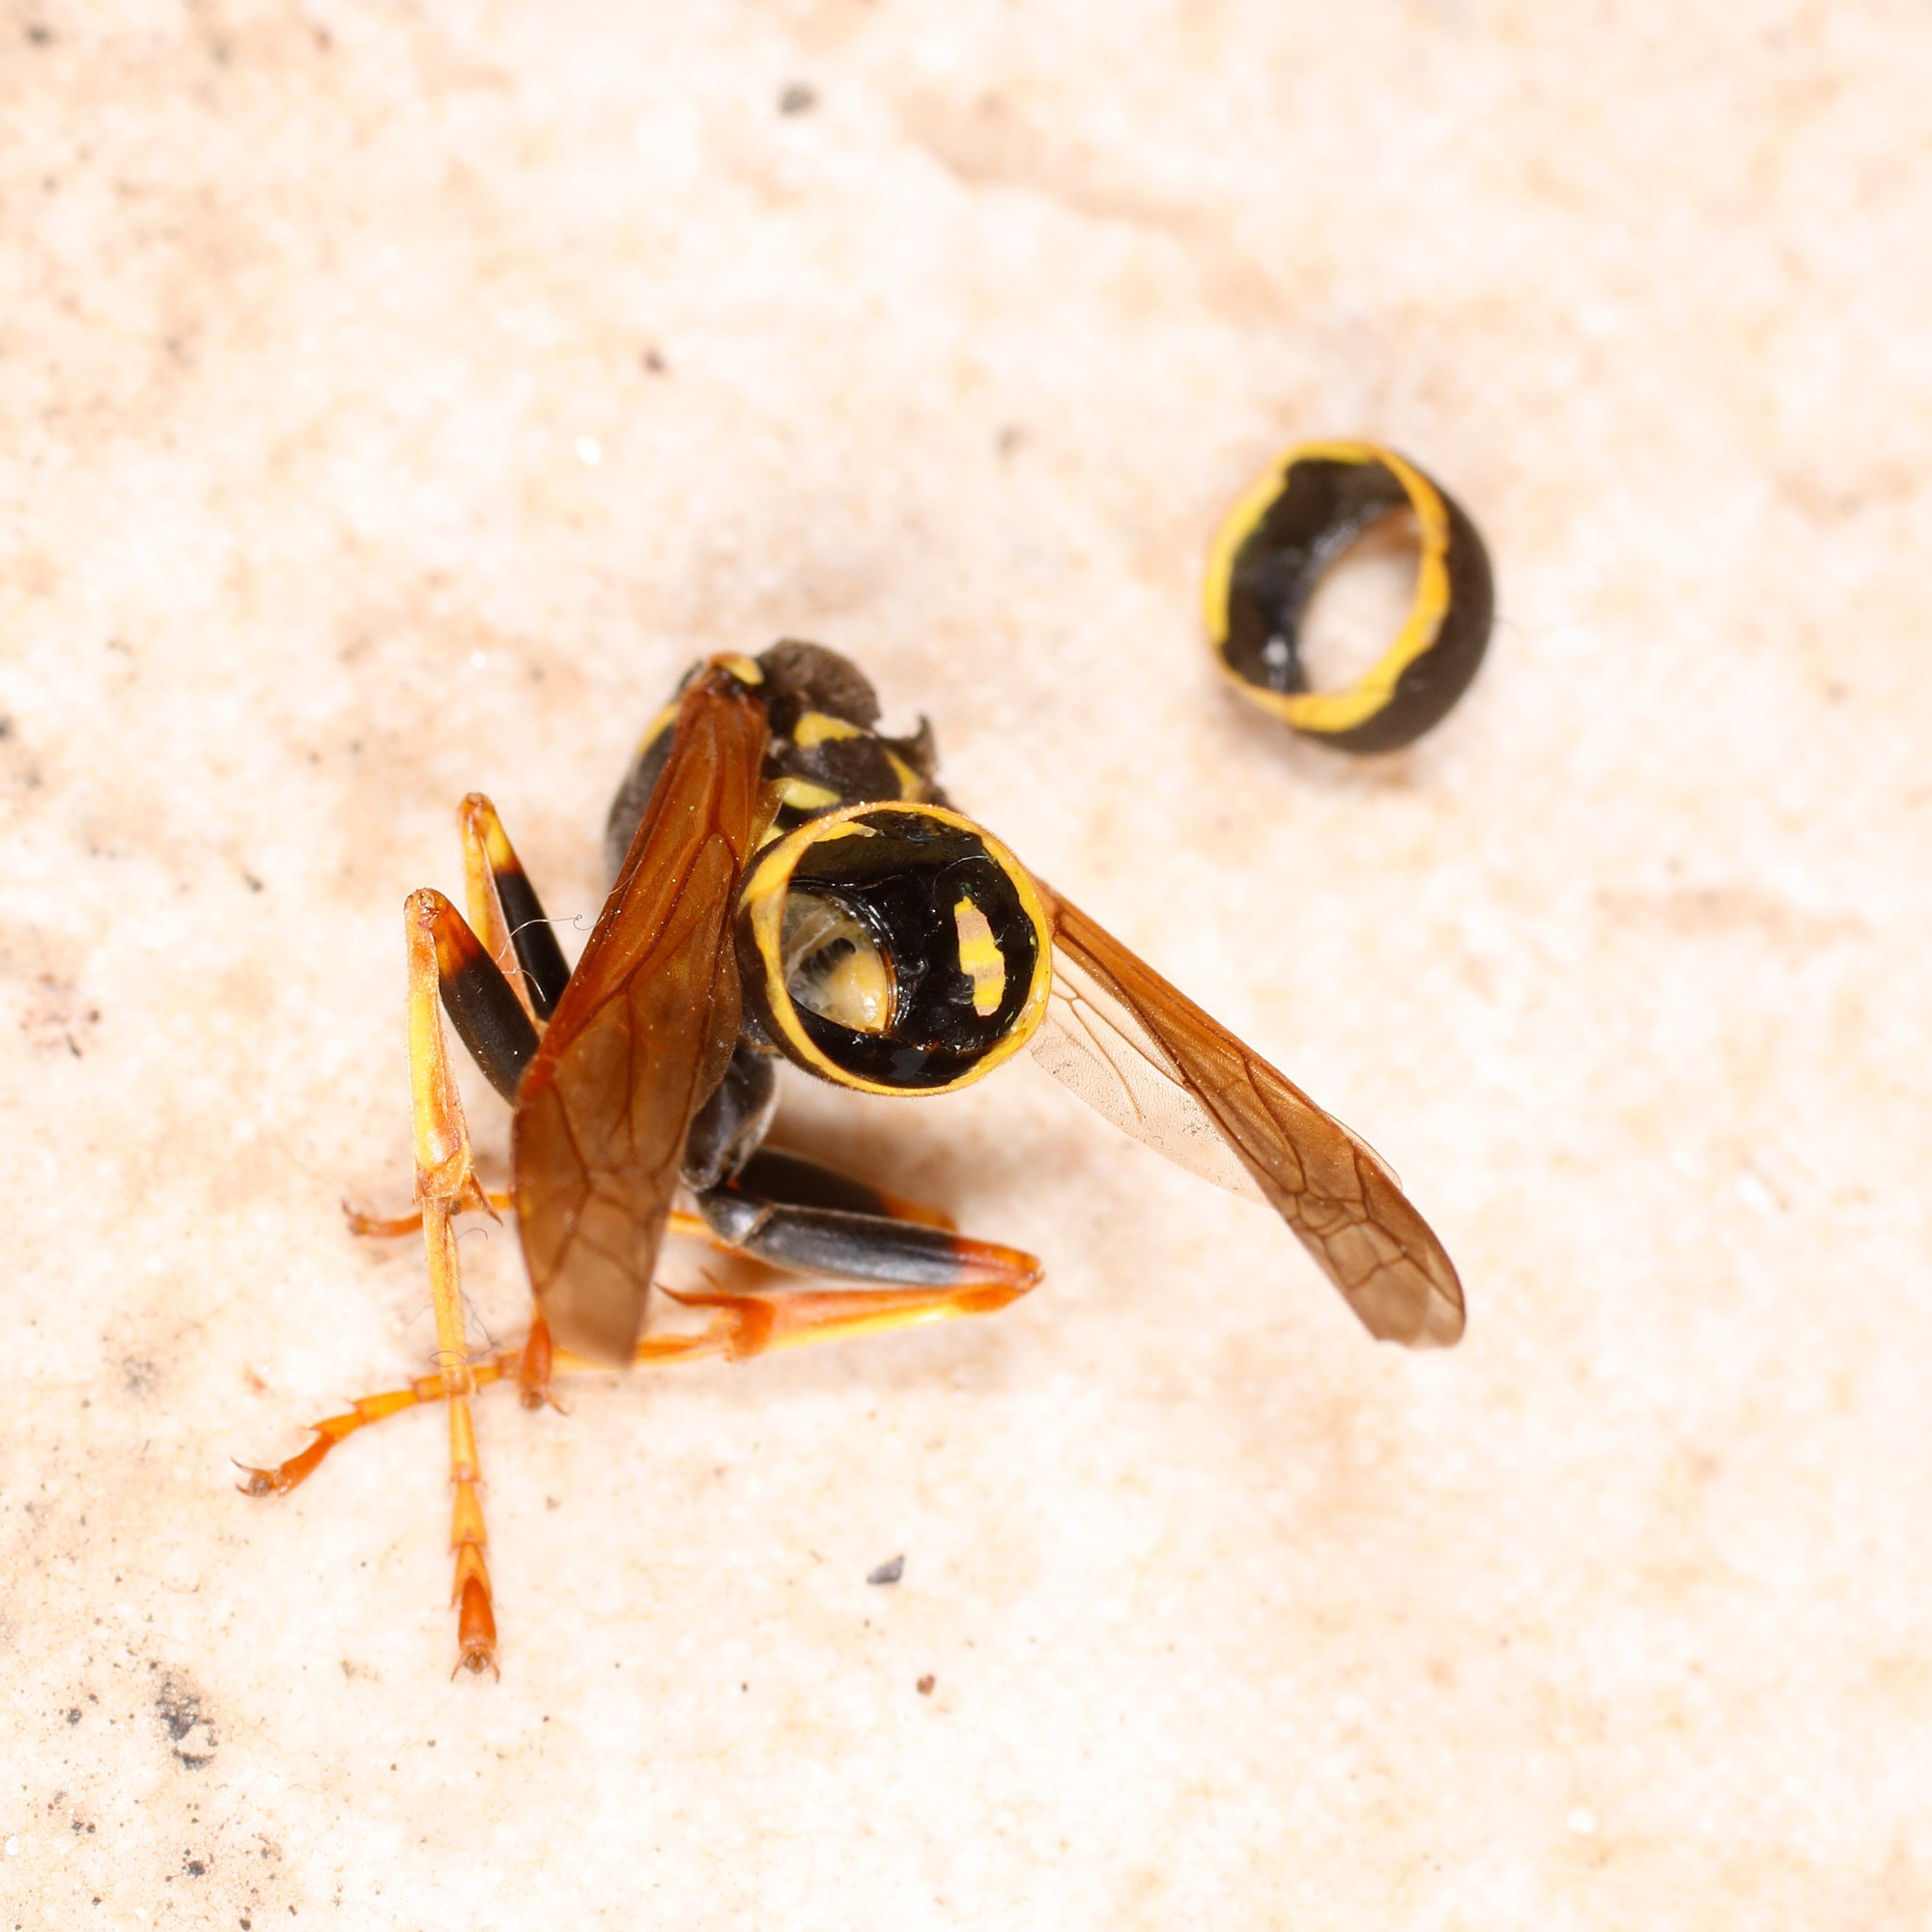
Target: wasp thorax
[898,949]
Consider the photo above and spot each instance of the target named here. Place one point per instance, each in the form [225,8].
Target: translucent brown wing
[640,1036]
[1146,1056]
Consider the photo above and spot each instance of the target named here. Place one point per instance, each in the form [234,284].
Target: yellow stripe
[1328,712]
[979,957]
[1237,526]
[815,727]
[761,903]
[802,795]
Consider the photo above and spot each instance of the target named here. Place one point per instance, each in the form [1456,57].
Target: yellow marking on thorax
[979,957]
[802,795]
[911,785]
[816,727]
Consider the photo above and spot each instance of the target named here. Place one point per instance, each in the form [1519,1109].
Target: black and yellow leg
[495,1013]
[505,909]
[1288,527]
[482,1004]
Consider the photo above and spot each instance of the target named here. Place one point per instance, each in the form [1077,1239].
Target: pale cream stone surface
[340,478]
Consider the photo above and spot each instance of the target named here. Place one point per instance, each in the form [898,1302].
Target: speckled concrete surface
[393,399]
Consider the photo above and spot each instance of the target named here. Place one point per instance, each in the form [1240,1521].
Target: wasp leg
[501,1201]
[775,1176]
[745,1326]
[386,1227]
[988,1278]
[443,956]
[530,1363]
[927,1274]
[807,1238]
[364,1410]
[506,921]
[505,909]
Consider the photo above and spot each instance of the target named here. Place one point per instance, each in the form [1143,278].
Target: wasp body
[789,883]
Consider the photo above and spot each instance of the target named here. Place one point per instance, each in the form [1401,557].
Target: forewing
[640,1036]
[1139,1051]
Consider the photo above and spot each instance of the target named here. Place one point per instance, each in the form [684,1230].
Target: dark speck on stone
[888,1572]
[798,99]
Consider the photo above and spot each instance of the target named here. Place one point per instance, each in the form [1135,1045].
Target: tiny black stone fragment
[888,1572]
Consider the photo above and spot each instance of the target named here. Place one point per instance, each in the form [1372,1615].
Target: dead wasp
[790,883]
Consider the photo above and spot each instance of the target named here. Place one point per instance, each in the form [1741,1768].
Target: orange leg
[744,1326]
[446,1180]
[386,1227]
[500,1201]
[741,1326]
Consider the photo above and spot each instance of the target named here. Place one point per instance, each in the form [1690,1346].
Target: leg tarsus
[381,1227]
[332,1429]
[477,1630]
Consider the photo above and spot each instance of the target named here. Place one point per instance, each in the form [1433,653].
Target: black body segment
[892,948]
[1285,535]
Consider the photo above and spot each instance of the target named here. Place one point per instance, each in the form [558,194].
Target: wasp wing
[1139,1051]
[640,1036]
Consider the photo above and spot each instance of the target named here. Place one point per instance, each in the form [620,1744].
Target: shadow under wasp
[791,884]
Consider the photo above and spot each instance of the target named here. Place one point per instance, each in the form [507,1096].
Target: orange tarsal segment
[641,1034]
[361,1414]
